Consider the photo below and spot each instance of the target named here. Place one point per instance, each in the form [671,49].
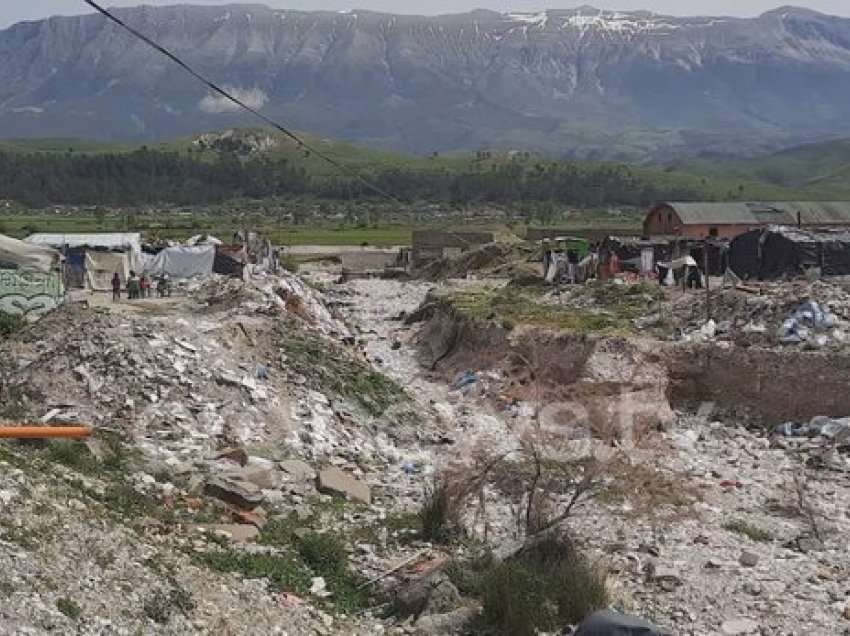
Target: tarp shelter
[230,260]
[85,251]
[30,278]
[611,623]
[783,251]
[181,261]
[15,254]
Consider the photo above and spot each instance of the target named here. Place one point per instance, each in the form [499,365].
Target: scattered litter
[318,587]
[465,379]
[818,426]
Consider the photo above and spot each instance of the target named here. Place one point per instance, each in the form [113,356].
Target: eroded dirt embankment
[606,376]
[763,386]
[767,386]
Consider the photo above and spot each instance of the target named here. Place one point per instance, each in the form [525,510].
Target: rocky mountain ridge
[584,82]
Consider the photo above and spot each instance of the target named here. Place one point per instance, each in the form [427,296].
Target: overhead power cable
[227,95]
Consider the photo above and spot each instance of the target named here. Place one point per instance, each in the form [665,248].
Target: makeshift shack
[92,259]
[181,261]
[785,252]
[432,245]
[30,278]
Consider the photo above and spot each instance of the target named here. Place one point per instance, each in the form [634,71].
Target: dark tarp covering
[781,251]
[610,623]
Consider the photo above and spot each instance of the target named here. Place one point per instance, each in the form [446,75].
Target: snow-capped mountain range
[582,82]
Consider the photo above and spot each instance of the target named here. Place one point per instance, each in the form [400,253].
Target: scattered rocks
[235,491]
[332,480]
[238,532]
[748,559]
[298,470]
[237,455]
[739,627]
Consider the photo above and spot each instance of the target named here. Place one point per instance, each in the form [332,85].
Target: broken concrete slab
[297,469]
[264,478]
[239,532]
[235,491]
[234,454]
[332,480]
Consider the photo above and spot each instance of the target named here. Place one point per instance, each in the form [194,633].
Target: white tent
[27,257]
[181,262]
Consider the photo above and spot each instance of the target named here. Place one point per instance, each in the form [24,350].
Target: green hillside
[809,172]
[819,171]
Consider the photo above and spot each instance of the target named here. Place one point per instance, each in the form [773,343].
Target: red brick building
[728,220]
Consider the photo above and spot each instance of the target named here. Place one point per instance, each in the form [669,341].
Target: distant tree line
[148,176]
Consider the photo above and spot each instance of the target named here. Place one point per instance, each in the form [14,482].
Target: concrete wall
[29,294]
[430,245]
[367,260]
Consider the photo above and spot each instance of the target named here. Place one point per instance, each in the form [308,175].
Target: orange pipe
[44,432]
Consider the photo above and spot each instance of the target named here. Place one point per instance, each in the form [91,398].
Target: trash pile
[811,324]
[806,315]
[829,430]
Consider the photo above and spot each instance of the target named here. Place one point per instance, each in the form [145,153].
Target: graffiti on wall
[29,293]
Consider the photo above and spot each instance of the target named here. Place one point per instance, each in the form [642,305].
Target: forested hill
[162,176]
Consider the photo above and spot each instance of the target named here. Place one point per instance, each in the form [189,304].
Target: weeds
[331,367]
[72,453]
[69,608]
[10,323]
[313,554]
[161,605]
[747,529]
[546,586]
[283,571]
[439,517]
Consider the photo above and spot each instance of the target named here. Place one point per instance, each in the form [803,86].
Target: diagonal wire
[217,89]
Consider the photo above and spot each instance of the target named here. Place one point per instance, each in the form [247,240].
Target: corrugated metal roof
[762,212]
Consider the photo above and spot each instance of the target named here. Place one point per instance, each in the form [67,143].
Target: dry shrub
[648,491]
[440,515]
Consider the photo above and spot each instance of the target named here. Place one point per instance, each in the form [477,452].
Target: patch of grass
[334,369]
[7,588]
[749,530]
[545,587]
[309,554]
[285,572]
[69,608]
[161,605]
[601,308]
[72,453]
[410,522]
[10,323]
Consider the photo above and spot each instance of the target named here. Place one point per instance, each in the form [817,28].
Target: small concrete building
[728,220]
[432,245]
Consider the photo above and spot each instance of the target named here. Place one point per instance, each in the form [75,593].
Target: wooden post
[707,281]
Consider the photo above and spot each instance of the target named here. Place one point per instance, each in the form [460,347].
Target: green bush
[544,588]
[439,515]
[323,553]
[10,323]
[69,608]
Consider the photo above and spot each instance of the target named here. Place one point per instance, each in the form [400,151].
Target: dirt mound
[494,259]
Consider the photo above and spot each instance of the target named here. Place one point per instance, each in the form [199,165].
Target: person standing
[132,286]
[116,287]
[144,285]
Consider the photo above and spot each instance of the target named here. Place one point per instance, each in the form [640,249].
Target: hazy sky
[15,10]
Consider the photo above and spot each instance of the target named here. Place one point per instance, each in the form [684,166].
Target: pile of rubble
[809,315]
